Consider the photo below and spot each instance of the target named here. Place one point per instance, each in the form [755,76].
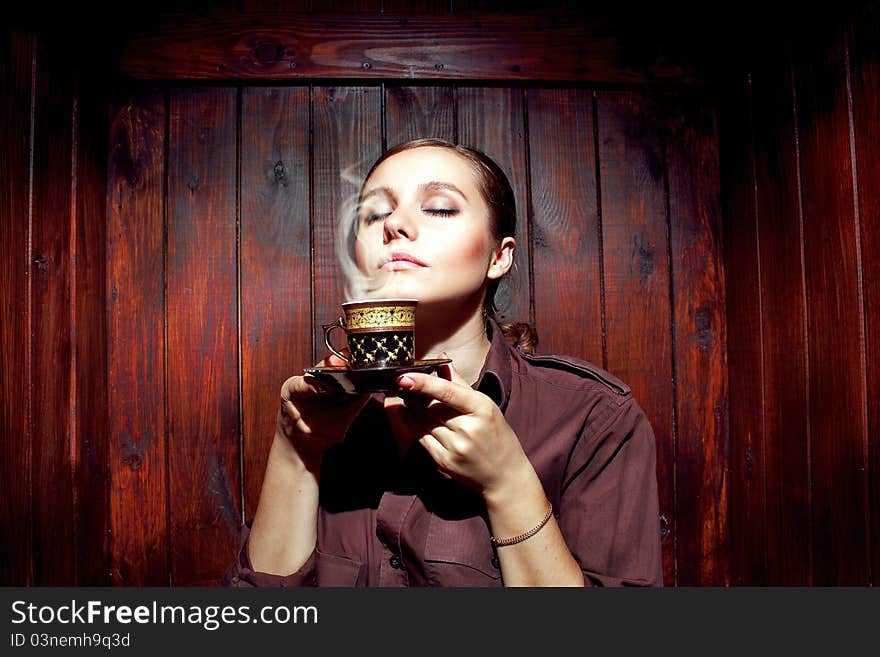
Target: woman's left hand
[465,432]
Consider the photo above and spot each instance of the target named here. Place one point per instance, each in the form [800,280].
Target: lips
[400,260]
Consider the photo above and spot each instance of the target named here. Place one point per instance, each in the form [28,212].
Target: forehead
[413,167]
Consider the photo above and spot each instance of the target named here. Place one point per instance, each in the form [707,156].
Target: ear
[502,258]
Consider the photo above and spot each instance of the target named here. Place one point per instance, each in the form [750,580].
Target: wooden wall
[167,255]
[53,345]
[222,208]
[799,149]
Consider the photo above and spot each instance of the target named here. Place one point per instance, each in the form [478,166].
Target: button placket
[392,511]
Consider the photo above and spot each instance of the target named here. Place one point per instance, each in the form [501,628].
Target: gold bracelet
[501,542]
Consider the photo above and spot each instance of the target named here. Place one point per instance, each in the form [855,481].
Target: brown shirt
[390,521]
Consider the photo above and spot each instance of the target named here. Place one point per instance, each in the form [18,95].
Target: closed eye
[443,212]
[375,216]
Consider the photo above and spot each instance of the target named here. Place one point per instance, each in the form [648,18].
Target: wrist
[284,449]
[516,485]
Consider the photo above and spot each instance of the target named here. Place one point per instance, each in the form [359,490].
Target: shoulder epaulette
[578,366]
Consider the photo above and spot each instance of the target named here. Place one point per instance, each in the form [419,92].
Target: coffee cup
[380,333]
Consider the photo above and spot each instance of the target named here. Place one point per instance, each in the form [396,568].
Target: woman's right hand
[313,416]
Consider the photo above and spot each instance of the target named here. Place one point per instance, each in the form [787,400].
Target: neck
[464,340]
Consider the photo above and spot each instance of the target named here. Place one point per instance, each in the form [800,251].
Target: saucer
[377,379]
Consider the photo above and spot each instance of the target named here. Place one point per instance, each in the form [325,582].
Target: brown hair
[498,195]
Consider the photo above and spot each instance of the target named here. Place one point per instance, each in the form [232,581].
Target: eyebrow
[432,186]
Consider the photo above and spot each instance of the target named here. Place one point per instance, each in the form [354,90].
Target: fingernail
[405,382]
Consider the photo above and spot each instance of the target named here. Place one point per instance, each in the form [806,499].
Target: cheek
[468,251]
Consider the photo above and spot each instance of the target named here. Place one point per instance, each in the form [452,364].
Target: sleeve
[241,574]
[609,509]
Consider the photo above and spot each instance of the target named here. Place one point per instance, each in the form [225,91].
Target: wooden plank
[565,242]
[90,366]
[417,112]
[838,430]
[463,6]
[202,364]
[748,495]
[864,39]
[633,219]
[52,390]
[341,6]
[226,44]
[416,6]
[276,5]
[491,120]
[784,337]
[636,278]
[346,141]
[700,339]
[136,340]
[276,296]
[16,60]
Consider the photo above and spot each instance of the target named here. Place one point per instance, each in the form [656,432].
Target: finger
[435,412]
[302,387]
[446,437]
[435,450]
[457,396]
[409,421]
[332,360]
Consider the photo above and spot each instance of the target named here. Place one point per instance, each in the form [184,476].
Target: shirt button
[395,562]
[495,563]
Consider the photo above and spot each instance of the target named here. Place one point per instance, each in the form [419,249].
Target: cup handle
[328,329]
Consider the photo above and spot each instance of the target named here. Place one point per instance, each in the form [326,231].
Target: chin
[400,289]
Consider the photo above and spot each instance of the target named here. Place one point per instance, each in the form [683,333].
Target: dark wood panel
[276,296]
[700,339]
[347,139]
[748,490]
[416,6]
[491,120]
[338,6]
[417,112]
[203,386]
[838,430]
[90,367]
[566,256]
[136,340]
[636,278]
[864,37]
[227,44]
[276,5]
[16,59]
[463,6]
[52,392]
[784,339]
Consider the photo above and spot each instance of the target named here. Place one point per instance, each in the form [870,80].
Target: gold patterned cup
[380,333]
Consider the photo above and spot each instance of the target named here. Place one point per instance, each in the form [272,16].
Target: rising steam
[358,283]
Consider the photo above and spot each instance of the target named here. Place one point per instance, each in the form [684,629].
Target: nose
[400,225]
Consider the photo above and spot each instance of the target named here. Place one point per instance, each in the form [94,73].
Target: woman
[507,469]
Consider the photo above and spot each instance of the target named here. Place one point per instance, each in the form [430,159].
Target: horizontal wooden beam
[230,45]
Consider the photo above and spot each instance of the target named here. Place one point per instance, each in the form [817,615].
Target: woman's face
[423,229]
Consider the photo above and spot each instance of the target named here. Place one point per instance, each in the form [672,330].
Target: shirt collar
[494,379]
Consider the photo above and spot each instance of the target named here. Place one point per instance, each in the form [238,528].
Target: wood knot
[280,173]
[269,52]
